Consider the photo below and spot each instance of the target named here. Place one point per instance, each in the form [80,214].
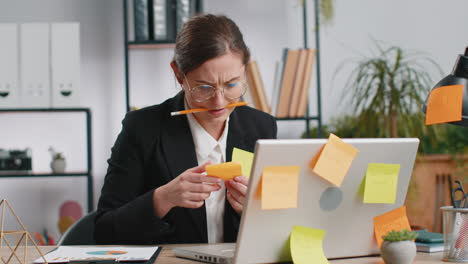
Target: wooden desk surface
[167,257]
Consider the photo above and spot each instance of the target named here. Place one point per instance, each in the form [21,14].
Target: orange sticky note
[225,171]
[393,220]
[445,104]
[279,187]
[335,160]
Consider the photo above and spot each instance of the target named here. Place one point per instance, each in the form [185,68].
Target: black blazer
[152,149]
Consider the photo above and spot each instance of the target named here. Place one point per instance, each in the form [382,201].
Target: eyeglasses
[205,92]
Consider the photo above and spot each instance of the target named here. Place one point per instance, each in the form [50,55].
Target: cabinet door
[9,97]
[35,65]
[65,55]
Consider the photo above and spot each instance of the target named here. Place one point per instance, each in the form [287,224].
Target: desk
[167,257]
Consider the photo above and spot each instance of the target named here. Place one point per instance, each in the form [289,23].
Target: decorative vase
[58,165]
[398,252]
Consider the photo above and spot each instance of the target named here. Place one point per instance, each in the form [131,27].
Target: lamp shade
[459,76]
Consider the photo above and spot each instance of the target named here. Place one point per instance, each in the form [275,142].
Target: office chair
[80,233]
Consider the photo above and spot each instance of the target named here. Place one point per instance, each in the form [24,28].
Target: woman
[155,190]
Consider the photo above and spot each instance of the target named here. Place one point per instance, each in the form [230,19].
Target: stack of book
[291,85]
[429,241]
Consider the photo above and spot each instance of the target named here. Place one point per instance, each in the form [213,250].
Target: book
[251,95]
[290,68]
[429,247]
[297,84]
[260,88]
[276,87]
[304,95]
[429,237]
[256,86]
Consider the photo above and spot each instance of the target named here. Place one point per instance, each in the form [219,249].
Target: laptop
[340,211]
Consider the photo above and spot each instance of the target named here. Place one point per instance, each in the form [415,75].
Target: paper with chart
[73,253]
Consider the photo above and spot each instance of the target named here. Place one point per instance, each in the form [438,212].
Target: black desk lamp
[459,76]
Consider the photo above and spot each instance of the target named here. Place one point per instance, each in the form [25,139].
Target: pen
[205,109]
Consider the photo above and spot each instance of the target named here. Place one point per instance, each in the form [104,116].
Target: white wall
[268,27]
[37,200]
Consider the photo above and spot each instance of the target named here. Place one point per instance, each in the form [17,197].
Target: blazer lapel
[236,137]
[179,150]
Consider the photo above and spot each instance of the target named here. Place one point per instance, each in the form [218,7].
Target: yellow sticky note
[335,160]
[393,220]
[381,183]
[225,171]
[245,158]
[279,187]
[307,245]
[445,104]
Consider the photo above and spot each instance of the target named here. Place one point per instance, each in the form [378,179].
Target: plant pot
[398,252]
[58,165]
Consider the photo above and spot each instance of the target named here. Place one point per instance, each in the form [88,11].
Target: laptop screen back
[347,221]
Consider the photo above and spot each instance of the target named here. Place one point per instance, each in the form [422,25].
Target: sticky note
[335,160]
[279,185]
[393,220]
[225,171]
[381,183]
[307,245]
[245,158]
[445,104]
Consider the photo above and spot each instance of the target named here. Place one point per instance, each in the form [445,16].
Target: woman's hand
[236,192]
[189,190]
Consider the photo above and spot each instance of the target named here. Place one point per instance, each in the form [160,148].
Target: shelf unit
[87,173]
[307,118]
[162,45]
[150,44]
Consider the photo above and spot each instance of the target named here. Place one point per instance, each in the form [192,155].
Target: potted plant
[58,162]
[399,247]
[387,92]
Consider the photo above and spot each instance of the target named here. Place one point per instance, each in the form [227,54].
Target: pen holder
[455,226]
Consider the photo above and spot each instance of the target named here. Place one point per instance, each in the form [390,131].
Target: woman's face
[223,72]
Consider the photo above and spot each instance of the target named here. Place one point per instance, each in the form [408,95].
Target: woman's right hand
[189,190]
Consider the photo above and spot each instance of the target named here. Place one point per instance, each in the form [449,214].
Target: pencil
[196,110]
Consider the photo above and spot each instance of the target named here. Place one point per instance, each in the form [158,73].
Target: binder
[141,20]
[65,66]
[185,9]
[171,18]
[159,20]
[34,65]
[9,90]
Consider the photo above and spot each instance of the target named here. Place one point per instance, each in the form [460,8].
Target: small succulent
[401,235]
[56,155]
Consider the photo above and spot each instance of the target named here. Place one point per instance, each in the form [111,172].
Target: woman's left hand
[236,192]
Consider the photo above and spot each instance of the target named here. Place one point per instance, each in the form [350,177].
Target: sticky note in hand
[225,171]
